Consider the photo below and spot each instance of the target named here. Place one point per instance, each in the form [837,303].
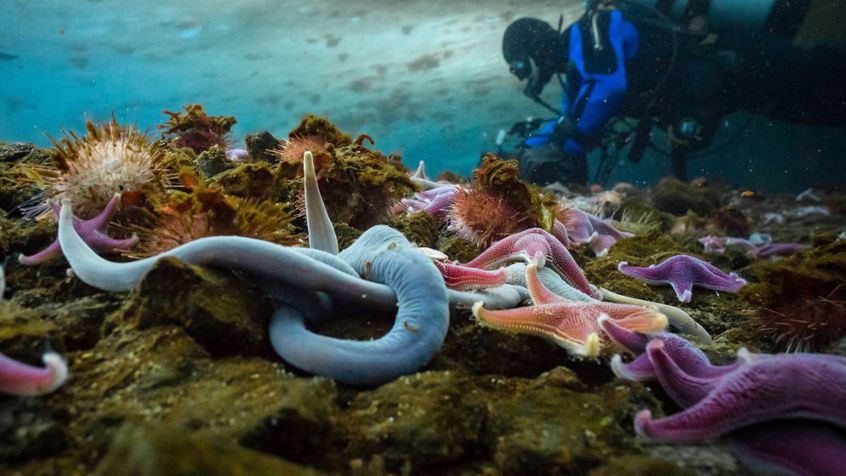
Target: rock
[213,161]
[24,333]
[425,420]
[671,195]
[30,430]
[80,321]
[149,451]
[161,376]
[640,466]
[474,349]
[548,429]
[259,146]
[217,309]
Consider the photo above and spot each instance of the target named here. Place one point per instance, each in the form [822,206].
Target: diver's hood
[532,48]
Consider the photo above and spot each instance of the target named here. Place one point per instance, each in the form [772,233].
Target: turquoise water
[425,79]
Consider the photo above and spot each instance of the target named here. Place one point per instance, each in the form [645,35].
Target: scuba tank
[779,17]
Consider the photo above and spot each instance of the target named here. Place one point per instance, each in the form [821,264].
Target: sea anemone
[197,130]
[482,217]
[89,170]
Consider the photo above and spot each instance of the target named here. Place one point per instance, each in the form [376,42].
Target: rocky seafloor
[178,376]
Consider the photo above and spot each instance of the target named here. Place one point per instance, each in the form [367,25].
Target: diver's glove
[549,163]
[564,129]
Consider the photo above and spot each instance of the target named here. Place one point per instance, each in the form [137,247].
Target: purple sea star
[17,378]
[683,272]
[779,412]
[768,387]
[91,232]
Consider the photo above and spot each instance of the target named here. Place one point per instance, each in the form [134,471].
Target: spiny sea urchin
[292,151]
[802,299]
[482,217]
[89,170]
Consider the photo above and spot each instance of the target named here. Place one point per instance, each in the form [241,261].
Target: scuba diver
[633,59]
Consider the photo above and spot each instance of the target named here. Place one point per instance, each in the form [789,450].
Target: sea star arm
[89,230]
[811,386]
[684,354]
[683,388]
[321,233]
[679,321]
[539,293]
[20,379]
[463,278]
[52,251]
[550,279]
[103,218]
[805,448]
[524,246]
[506,296]
[575,331]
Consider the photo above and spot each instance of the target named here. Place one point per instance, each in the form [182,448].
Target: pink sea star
[682,272]
[572,325]
[24,380]
[90,230]
[535,245]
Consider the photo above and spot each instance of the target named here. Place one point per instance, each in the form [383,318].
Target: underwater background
[293,295]
[425,79]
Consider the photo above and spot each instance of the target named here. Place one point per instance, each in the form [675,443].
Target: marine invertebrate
[17,378]
[764,249]
[207,211]
[197,130]
[482,216]
[582,227]
[109,159]
[767,387]
[463,278]
[292,150]
[682,272]
[572,325]
[679,321]
[91,231]
[801,300]
[237,155]
[358,185]
[535,245]
[752,402]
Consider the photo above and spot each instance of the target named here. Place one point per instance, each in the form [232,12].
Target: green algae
[253,180]
[458,248]
[420,228]
[195,129]
[213,161]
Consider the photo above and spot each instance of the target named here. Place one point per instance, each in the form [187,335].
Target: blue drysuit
[595,83]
